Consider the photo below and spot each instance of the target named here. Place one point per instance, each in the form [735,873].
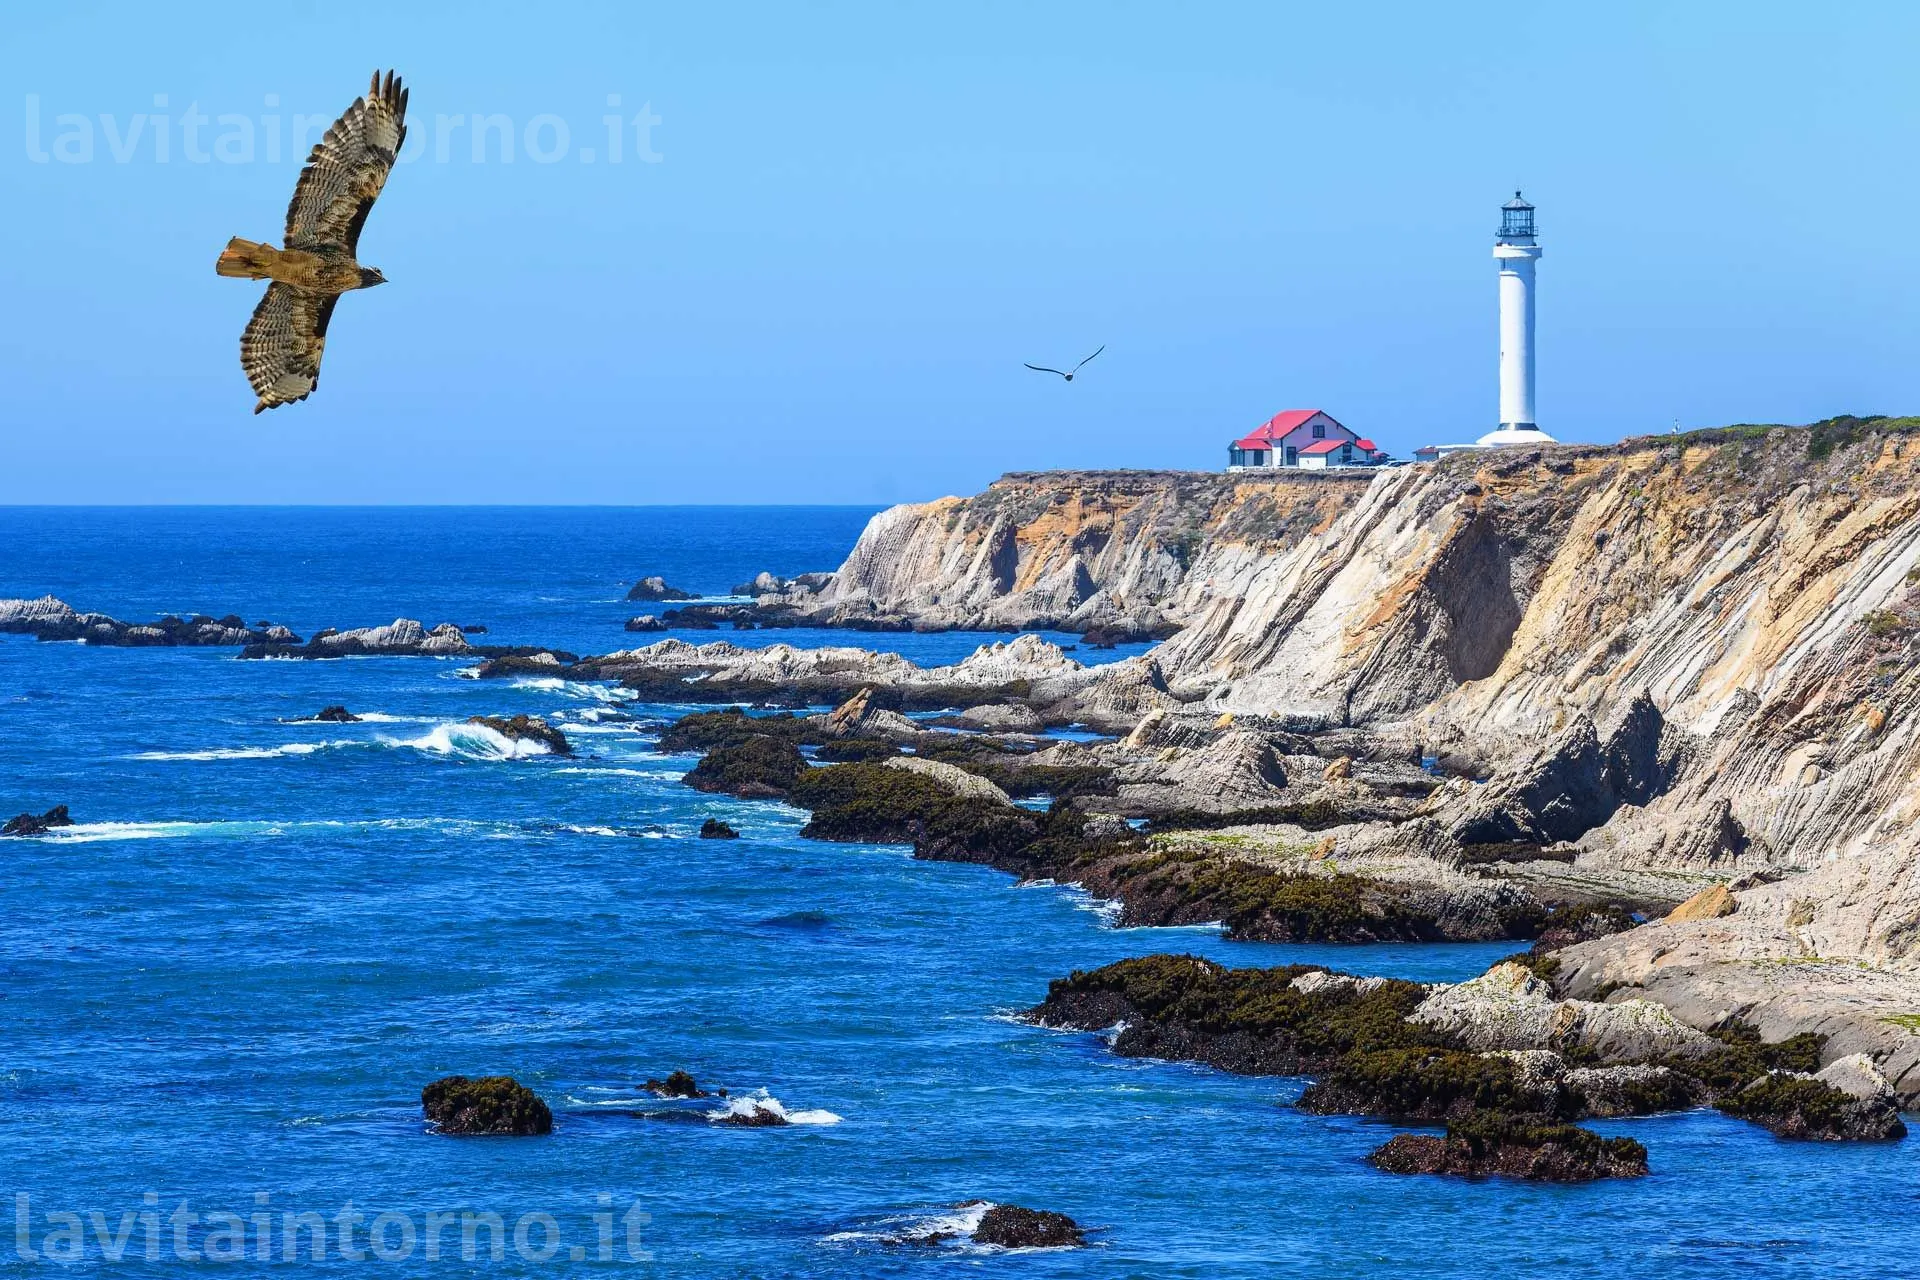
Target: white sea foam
[242,753]
[581,689]
[956,1223]
[760,1102]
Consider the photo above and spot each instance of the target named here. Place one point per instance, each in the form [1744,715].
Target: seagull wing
[1040,368]
[1076,368]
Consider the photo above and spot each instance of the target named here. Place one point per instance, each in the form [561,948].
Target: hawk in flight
[282,345]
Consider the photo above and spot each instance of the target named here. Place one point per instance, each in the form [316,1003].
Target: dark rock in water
[690,620]
[486,1106]
[645,622]
[759,766]
[1012,1227]
[1489,1142]
[1806,1108]
[656,588]
[28,824]
[527,728]
[473,630]
[714,829]
[747,1113]
[337,715]
[678,1084]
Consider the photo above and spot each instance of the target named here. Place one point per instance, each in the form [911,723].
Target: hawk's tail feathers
[246,259]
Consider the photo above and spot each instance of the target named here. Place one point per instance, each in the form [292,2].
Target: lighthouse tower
[1516,250]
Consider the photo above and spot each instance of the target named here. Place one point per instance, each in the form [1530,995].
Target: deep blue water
[233,978]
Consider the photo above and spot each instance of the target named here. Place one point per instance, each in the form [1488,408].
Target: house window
[1293,456]
[1319,431]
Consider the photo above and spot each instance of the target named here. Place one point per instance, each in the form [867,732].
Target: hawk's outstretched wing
[283,343]
[347,169]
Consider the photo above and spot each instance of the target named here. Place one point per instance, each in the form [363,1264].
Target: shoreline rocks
[1849,1100]
[714,829]
[485,1107]
[49,619]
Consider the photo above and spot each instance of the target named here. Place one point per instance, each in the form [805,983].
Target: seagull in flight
[1067,374]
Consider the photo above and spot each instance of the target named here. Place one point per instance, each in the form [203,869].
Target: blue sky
[863,218]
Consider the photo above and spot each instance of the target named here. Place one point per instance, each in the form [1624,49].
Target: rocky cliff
[1688,655]
[1125,551]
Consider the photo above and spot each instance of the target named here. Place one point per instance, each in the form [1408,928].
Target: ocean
[222,990]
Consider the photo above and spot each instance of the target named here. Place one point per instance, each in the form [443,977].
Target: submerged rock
[29,824]
[489,1105]
[524,728]
[1012,1227]
[714,829]
[1488,1143]
[656,588]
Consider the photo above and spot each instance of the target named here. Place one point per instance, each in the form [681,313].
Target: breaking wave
[471,741]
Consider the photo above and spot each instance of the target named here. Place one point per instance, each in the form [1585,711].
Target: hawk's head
[370,276]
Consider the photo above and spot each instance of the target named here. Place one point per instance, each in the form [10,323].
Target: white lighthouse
[1516,250]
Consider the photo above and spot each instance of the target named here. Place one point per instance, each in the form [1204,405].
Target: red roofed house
[1308,438]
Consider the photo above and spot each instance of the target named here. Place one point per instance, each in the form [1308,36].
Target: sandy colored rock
[952,777]
[1711,903]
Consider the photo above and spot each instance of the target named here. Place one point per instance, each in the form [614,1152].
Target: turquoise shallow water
[231,980]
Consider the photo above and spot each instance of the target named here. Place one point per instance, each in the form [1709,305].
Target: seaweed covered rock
[1429,1083]
[714,829]
[955,779]
[854,750]
[678,1084]
[1490,1142]
[1247,1021]
[524,728]
[490,1105]
[1012,1227]
[1848,1101]
[37,824]
[871,803]
[705,730]
[761,765]
[1258,904]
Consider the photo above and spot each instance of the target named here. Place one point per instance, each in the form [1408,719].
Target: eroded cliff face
[1690,656]
[1753,593]
[1127,550]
